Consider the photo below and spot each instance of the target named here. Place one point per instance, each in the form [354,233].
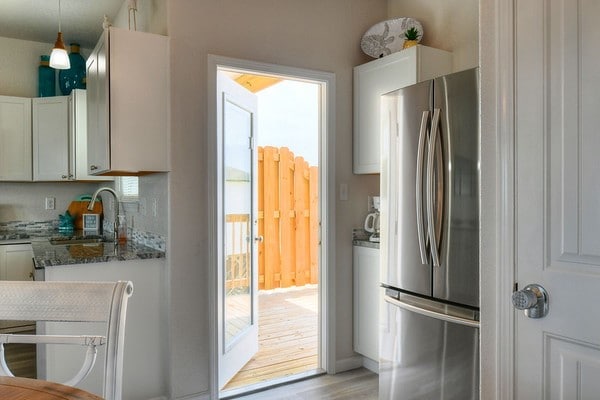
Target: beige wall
[451,25]
[19,61]
[312,34]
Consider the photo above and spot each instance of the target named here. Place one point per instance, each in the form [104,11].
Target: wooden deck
[288,336]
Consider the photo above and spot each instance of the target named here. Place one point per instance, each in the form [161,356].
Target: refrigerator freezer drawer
[424,357]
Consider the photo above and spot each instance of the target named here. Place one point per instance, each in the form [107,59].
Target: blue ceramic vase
[74,77]
[46,78]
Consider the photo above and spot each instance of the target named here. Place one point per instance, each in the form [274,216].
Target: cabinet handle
[64,177]
[70,176]
[93,167]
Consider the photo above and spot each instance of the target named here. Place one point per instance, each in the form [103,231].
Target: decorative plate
[387,37]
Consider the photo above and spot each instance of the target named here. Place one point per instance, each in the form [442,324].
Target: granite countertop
[361,238]
[25,235]
[46,254]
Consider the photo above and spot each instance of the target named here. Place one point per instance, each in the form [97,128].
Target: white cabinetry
[15,139]
[371,80]
[16,262]
[60,138]
[366,301]
[127,85]
[145,349]
[51,138]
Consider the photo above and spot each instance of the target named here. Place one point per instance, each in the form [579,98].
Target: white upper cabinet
[78,138]
[59,138]
[127,93]
[371,80]
[15,138]
[51,139]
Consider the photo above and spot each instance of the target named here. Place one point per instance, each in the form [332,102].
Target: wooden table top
[33,389]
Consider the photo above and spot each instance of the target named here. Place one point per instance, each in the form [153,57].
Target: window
[127,187]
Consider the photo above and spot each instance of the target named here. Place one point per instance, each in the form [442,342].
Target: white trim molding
[348,364]
[327,194]
[497,59]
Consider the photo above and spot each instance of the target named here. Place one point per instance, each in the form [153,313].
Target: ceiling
[37,20]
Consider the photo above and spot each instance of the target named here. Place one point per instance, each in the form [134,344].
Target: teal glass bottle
[46,78]
[74,77]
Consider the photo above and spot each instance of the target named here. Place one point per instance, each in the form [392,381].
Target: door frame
[497,245]
[326,193]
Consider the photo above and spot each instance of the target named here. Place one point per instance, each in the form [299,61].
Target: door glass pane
[237,198]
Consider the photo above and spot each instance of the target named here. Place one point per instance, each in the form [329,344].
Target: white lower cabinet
[145,357]
[366,301]
[16,262]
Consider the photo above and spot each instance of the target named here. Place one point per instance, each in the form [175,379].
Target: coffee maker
[372,221]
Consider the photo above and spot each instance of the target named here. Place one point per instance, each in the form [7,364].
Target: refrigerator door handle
[433,314]
[419,188]
[434,229]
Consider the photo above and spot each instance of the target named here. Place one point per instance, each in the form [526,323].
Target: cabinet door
[51,139]
[98,157]
[78,135]
[16,262]
[15,139]
[366,301]
[381,76]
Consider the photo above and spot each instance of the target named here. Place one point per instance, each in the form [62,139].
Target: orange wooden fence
[288,219]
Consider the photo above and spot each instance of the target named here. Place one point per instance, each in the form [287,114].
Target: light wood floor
[352,385]
[287,334]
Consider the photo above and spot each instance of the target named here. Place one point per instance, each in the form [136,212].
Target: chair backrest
[104,302]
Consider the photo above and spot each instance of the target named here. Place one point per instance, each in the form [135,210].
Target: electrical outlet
[142,205]
[50,203]
[154,207]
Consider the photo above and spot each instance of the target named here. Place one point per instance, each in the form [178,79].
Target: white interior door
[238,278]
[557,196]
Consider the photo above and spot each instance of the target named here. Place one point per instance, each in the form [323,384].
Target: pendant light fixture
[59,59]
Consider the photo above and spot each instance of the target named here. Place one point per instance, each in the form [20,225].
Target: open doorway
[272,267]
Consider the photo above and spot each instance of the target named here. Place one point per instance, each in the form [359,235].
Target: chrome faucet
[116,222]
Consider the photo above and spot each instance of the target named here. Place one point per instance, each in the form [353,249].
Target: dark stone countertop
[361,238]
[25,235]
[365,243]
[46,254]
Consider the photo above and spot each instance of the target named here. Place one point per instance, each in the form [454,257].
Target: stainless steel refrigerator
[429,347]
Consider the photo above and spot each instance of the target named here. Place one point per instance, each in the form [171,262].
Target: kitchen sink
[78,240]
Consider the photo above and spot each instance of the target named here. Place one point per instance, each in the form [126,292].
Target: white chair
[104,302]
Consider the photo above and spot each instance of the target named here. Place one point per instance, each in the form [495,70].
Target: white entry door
[557,196]
[237,275]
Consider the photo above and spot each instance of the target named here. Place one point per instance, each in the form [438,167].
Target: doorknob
[533,299]
[259,239]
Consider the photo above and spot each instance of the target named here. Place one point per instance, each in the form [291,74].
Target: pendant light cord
[59,27]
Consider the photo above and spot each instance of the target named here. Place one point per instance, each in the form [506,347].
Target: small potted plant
[411,37]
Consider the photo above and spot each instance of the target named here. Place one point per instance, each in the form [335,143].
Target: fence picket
[288,220]
[271,218]
[302,228]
